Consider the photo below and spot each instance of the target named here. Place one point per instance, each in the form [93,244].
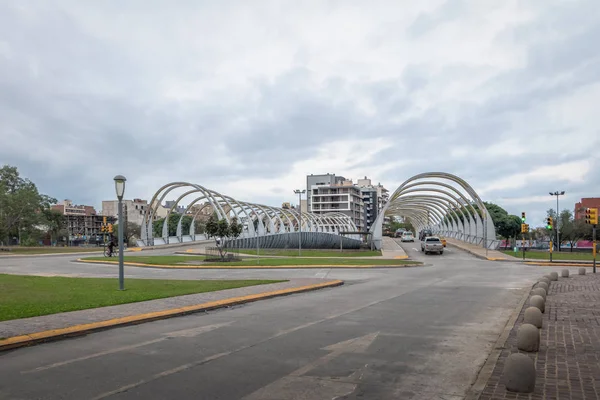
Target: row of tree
[25,214]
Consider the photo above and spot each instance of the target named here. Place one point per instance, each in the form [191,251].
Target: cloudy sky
[248,97]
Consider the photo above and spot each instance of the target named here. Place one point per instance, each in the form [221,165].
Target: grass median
[31,296]
[199,260]
[311,253]
[544,255]
[47,250]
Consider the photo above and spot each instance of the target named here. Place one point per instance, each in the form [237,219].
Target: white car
[407,237]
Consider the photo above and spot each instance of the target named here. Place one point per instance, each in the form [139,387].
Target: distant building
[82,222]
[588,202]
[179,209]
[330,193]
[133,210]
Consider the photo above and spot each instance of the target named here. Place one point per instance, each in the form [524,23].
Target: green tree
[132,231]
[235,228]
[21,205]
[572,230]
[222,229]
[55,223]
[508,227]
[172,224]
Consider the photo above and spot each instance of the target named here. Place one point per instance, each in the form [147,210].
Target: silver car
[432,244]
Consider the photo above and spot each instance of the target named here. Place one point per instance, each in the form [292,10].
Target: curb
[78,330]
[49,254]
[558,264]
[142,265]
[474,392]
[479,255]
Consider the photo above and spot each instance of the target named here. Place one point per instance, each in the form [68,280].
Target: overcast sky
[248,97]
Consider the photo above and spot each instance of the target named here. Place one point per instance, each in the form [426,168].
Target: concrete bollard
[533,316]
[554,276]
[528,338]
[564,273]
[542,285]
[519,373]
[538,301]
[539,292]
[581,271]
[544,279]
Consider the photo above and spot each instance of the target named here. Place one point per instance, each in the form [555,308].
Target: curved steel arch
[480,230]
[269,220]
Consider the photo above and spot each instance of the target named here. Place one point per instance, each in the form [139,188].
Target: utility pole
[591,217]
[299,193]
[557,193]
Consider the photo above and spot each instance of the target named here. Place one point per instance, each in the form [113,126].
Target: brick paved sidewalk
[63,320]
[567,364]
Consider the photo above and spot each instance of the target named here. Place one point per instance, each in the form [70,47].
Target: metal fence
[230,253]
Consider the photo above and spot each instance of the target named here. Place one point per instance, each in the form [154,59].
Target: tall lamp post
[120,189]
[557,193]
[299,193]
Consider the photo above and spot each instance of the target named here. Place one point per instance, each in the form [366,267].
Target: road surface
[410,333]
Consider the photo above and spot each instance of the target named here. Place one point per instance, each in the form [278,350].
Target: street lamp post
[557,193]
[299,193]
[120,189]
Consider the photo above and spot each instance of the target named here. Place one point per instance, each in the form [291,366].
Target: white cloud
[249,97]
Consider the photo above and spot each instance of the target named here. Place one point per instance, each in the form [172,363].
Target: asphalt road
[411,333]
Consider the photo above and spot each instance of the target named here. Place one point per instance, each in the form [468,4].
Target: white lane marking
[322,273]
[415,249]
[242,348]
[287,387]
[182,333]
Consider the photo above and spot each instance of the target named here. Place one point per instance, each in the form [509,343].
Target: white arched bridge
[441,202]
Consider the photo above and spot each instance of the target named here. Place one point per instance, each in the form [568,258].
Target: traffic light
[102,228]
[104,220]
[110,228]
[549,224]
[523,217]
[524,228]
[591,216]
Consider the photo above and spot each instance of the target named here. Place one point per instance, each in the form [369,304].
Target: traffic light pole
[594,246]
[523,246]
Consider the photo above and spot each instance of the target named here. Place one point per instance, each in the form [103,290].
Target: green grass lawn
[48,250]
[30,296]
[312,253]
[186,260]
[544,255]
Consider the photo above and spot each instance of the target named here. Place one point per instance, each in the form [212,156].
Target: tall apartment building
[374,198]
[133,210]
[82,222]
[330,193]
[588,202]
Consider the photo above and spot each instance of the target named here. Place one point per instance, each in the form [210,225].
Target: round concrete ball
[533,316]
[537,301]
[519,373]
[545,280]
[539,292]
[565,273]
[542,285]
[528,337]
[581,271]
[554,276]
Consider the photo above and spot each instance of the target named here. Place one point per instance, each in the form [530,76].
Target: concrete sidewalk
[21,332]
[567,363]
[478,251]
[390,249]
